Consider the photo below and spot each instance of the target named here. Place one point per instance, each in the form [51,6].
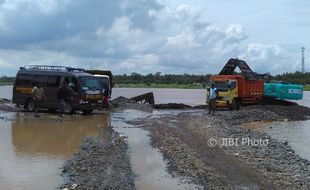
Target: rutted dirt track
[183,139]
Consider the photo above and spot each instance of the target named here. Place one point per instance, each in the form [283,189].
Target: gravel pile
[100,164]
[277,162]
[121,103]
[184,146]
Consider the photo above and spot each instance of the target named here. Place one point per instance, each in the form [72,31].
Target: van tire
[86,112]
[68,109]
[52,110]
[30,105]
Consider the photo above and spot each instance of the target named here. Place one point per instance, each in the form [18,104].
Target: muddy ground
[193,145]
[100,164]
[183,139]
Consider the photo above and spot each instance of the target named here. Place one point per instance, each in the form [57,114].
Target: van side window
[39,79]
[24,80]
[53,81]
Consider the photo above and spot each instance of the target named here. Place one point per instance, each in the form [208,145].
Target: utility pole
[303,59]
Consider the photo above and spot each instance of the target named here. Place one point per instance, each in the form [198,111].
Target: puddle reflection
[32,151]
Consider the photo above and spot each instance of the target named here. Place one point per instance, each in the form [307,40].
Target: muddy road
[184,140]
[195,146]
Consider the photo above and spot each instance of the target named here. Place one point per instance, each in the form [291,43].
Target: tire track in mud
[188,154]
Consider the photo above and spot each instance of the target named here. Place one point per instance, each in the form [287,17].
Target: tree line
[6,79]
[158,78]
[295,78]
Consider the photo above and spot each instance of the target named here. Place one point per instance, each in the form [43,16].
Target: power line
[303,59]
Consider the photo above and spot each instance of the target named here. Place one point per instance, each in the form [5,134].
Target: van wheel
[235,104]
[86,112]
[30,105]
[52,110]
[68,108]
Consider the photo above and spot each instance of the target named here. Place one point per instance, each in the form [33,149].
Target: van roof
[53,70]
[103,76]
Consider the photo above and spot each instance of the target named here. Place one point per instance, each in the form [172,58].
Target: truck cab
[227,93]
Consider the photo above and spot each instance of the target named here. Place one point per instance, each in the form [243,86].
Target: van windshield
[90,83]
[221,85]
[105,83]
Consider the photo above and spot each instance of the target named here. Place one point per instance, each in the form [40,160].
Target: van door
[22,88]
[53,82]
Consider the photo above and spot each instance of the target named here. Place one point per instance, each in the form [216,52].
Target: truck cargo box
[249,91]
[246,88]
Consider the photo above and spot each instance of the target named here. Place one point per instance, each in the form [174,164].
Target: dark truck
[87,88]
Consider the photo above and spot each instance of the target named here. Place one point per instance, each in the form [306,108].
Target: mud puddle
[147,162]
[296,134]
[32,150]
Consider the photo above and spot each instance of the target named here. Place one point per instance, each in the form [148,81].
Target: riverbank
[177,86]
[154,85]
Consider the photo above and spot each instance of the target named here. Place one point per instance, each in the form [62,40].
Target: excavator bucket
[231,65]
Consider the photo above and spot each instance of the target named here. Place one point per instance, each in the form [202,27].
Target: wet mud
[100,164]
[185,146]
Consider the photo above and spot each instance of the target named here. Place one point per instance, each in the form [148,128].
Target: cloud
[268,58]
[125,36]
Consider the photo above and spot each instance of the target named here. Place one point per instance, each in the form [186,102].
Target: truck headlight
[225,98]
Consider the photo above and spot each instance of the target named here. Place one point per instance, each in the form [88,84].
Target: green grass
[6,83]
[307,88]
[153,85]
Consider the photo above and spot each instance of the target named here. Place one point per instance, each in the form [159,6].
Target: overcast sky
[146,36]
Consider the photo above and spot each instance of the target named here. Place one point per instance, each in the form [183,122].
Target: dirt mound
[171,106]
[100,164]
[8,106]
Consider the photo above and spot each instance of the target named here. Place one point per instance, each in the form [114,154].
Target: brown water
[161,95]
[296,133]
[32,151]
[6,92]
[147,162]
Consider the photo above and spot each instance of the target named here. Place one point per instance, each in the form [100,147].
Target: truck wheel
[239,106]
[86,112]
[235,105]
[68,108]
[30,105]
